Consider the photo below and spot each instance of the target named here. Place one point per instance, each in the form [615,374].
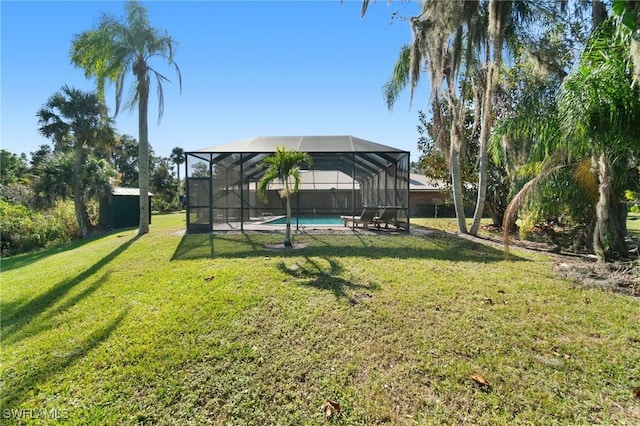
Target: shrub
[23,230]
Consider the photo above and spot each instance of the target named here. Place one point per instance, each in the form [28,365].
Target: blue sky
[249,69]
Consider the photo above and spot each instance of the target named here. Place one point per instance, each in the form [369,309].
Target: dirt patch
[281,247]
[582,269]
[621,278]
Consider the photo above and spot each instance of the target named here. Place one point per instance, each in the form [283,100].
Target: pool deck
[263,226]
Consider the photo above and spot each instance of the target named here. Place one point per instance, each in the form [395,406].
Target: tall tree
[177,158]
[500,17]
[40,156]
[445,37]
[591,127]
[600,111]
[12,167]
[163,184]
[80,114]
[116,48]
[448,40]
[125,160]
[284,166]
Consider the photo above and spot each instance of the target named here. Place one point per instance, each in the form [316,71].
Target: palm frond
[549,166]
[400,77]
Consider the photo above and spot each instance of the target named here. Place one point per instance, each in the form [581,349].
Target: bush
[23,230]
[162,205]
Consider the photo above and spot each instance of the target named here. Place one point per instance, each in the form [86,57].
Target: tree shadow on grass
[194,246]
[32,328]
[208,246]
[450,248]
[16,315]
[312,273]
[32,372]
[28,259]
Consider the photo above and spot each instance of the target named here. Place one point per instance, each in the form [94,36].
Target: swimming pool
[308,220]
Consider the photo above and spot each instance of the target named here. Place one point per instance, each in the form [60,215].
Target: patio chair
[365,218]
[388,216]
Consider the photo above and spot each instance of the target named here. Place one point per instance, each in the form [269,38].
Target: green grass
[174,329]
[450,224]
[633,224]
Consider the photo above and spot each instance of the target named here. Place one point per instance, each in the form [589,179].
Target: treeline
[534,114]
[36,192]
[87,157]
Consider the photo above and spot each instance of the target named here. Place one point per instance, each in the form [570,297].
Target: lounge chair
[388,216]
[365,218]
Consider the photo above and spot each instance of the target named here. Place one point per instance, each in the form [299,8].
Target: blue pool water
[308,220]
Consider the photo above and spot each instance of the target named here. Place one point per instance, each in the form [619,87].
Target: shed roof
[119,190]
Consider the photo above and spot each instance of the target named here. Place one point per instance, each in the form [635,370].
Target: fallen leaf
[479,379]
[331,409]
[636,393]
[488,301]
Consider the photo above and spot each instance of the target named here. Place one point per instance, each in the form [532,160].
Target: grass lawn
[633,224]
[450,224]
[197,329]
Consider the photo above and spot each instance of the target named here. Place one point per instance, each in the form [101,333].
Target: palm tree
[628,13]
[596,122]
[502,14]
[447,40]
[600,111]
[284,166]
[81,114]
[114,49]
[445,37]
[177,158]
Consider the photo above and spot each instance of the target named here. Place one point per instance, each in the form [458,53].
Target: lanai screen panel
[221,180]
[198,192]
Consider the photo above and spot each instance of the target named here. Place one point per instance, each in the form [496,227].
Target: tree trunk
[608,235]
[485,132]
[287,231]
[456,180]
[496,16]
[455,148]
[80,207]
[178,170]
[634,49]
[143,150]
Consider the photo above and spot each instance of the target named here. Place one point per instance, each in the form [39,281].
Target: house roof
[419,182]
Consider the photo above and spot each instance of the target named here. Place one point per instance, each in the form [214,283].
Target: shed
[121,208]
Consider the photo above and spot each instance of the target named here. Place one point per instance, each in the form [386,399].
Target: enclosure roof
[332,180]
[333,144]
